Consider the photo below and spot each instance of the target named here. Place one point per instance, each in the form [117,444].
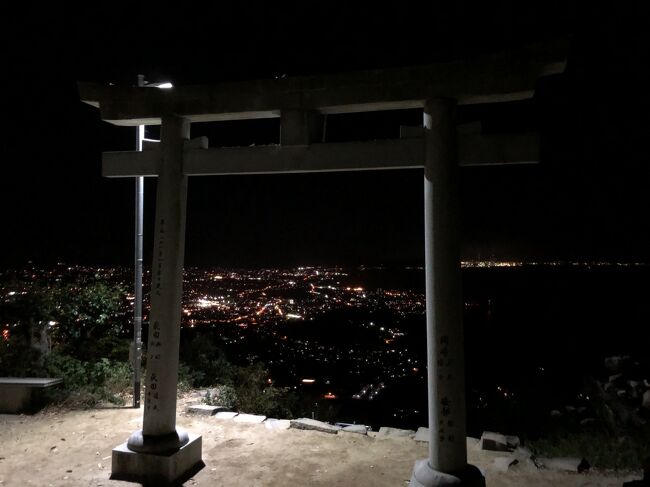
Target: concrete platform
[17,393]
[163,470]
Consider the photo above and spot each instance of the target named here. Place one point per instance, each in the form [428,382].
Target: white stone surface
[204,409]
[387,432]
[498,442]
[248,418]
[30,381]
[422,434]
[277,424]
[312,424]
[565,464]
[225,415]
[360,429]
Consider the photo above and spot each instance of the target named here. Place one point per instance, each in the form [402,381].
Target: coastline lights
[163,86]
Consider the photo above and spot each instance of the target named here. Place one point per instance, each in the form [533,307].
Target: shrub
[18,359]
[205,364]
[88,318]
[255,394]
[599,448]
[223,395]
[88,383]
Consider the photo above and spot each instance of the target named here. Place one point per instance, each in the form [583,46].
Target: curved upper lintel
[499,77]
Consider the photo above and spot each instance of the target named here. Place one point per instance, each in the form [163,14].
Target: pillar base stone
[425,476]
[150,469]
[158,445]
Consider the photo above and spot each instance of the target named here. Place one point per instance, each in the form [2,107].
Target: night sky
[588,198]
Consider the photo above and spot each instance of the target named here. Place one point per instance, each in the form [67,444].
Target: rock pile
[618,400]
[625,391]
[516,454]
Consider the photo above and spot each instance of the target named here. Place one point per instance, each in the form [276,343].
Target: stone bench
[16,392]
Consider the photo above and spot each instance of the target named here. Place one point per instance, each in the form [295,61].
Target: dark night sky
[588,198]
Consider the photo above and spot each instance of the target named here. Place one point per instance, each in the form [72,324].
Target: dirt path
[73,448]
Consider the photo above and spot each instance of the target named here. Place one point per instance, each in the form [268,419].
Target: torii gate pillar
[160,453]
[447,461]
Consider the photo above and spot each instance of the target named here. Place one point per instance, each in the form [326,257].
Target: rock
[522,453]
[565,464]
[646,399]
[360,429]
[502,464]
[312,424]
[249,418]
[387,432]
[277,424]
[473,443]
[204,409]
[616,363]
[498,442]
[587,421]
[225,415]
[635,392]
[555,413]
[637,483]
[615,378]
[513,441]
[422,434]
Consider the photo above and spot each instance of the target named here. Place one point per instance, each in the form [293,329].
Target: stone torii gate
[162,453]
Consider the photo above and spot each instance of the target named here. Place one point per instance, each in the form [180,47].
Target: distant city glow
[206,303]
[274,308]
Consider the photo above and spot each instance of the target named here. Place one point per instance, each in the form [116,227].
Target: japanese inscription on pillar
[155,335]
[160,256]
[446,426]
